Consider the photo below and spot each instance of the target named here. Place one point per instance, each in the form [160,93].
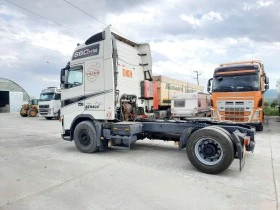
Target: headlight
[257,114]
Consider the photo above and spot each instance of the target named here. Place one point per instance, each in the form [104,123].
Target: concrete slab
[40,171]
[130,186]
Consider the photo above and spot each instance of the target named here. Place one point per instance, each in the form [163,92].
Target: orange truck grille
[235,111]
[234,114]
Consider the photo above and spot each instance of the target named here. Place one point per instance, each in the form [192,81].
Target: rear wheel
[48,118]
[210,150]
[23,112]
[85,137]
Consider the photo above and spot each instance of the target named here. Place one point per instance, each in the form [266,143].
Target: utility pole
[197,74]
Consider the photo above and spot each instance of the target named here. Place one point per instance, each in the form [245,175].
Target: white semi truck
[49,103]
[102,106]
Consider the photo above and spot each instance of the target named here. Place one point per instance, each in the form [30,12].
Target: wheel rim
[33,113]
[84,137]
[208,151]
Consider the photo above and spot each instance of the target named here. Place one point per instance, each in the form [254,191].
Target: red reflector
[247,140]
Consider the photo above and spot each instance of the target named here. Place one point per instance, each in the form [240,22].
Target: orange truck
[237,93]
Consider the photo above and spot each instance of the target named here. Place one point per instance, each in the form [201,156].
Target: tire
[48,118]
[32,112]
[23,112]
[259,127]
[85,137]
[222,145]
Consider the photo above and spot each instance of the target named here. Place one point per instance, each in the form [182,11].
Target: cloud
[257,5]
[184,35]
[204,19]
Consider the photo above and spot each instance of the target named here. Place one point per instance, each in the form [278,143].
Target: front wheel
[32,112]
[210,150]
[85,137]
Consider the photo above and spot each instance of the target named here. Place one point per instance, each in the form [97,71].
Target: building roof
[9,85]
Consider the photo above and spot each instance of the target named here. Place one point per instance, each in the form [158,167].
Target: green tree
[266,104]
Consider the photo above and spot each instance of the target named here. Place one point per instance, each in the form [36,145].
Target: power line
[78,8]
[84,12]
[68,28]
[43,17]
[169,59]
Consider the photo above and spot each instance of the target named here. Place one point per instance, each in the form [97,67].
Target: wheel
[85,137]
[48,118]
[259,127]
[32,112]
[210,150]
[23,112]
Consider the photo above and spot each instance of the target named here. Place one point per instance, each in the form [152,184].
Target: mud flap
[184,137]
[237,138]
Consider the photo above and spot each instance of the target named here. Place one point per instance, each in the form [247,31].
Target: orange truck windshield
[236,83]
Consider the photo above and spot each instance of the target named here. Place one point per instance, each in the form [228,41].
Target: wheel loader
[30,109]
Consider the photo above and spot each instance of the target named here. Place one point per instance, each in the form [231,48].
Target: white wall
[16,101]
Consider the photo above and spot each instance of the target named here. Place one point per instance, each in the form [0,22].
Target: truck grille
[234,114]
[43,106]
[236,111]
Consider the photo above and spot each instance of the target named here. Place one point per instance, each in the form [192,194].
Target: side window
[75,77]
[179,103]
[57,96]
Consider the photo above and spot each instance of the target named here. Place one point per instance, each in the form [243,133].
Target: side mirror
[62,75]
[266,87]
[209,85]
[266,80]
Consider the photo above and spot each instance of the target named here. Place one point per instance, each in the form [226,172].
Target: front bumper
[66,137]
[47,112]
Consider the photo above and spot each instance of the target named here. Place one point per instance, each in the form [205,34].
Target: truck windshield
[236,83]
[46,96]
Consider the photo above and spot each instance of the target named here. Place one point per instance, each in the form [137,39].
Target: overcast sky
[184,35]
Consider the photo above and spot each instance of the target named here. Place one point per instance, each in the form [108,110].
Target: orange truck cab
[238,93]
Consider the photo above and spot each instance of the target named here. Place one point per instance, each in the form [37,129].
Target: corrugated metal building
[12,96]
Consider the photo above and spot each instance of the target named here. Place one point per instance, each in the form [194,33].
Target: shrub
[271,111]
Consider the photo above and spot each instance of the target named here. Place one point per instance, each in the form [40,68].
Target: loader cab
[34,102]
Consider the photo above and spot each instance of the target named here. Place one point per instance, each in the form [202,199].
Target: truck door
[72,95]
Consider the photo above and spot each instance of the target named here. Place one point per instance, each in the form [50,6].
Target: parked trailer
[102,106]
[165,89]
[190,105]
